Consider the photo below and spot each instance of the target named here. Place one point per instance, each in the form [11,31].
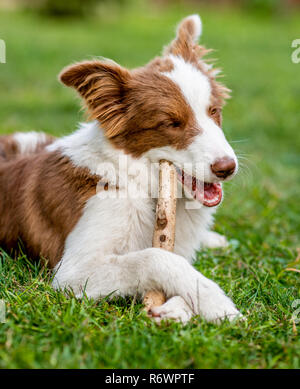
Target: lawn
[260,214]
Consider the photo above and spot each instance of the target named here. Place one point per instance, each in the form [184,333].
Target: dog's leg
[208,238]
[211,239]
[175,308]
[141,271]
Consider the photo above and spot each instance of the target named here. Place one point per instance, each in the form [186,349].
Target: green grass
[260,214]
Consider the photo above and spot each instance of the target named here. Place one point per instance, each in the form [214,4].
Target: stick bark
[164,230]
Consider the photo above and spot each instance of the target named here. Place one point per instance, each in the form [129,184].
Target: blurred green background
[260,214]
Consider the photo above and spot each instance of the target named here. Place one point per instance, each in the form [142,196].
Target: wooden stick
[164,230]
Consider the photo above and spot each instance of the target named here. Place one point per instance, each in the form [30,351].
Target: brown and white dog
[64,199]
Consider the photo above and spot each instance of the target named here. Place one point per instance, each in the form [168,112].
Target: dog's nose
[223,167]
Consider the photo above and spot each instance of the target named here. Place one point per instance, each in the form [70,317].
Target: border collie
[68,200]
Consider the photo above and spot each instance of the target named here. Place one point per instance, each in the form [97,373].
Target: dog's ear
[188,33]
[103,86]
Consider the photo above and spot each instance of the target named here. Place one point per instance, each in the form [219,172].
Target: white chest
[124,225]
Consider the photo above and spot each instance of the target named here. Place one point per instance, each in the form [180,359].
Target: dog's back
[20,144]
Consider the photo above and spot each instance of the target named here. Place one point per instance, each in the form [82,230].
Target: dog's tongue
[209,194]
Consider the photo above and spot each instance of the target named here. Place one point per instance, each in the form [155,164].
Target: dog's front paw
[215,306]
[213,240]
[221,313]
[175,308]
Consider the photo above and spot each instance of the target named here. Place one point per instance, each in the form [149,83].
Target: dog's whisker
[239,140]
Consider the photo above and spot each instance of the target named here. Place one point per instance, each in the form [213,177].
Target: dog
[57,198]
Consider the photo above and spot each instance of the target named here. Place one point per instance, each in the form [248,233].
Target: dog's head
[169,109]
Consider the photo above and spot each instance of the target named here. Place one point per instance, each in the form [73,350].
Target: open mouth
[208,193]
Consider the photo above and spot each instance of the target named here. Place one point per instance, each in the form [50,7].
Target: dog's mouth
[208,193]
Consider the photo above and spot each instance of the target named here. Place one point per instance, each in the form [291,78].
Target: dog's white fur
[28,142]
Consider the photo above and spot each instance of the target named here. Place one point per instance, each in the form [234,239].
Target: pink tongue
[210,194]
[210,191]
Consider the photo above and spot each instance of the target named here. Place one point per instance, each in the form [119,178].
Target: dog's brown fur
[116,97]
[43,199]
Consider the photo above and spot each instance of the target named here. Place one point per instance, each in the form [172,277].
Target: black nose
[223,167]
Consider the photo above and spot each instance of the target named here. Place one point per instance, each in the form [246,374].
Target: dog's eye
[216,115]
[172,124]
[176,123]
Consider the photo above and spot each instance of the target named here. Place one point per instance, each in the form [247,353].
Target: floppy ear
[103,86]
[188,33]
